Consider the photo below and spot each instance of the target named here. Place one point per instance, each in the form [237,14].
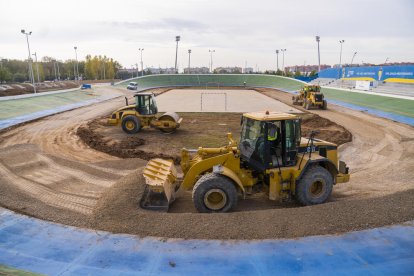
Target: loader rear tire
[324,105]
[131,124]
[315,187]
[214,193]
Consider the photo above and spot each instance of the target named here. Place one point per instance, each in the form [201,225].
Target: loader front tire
[214,193]
[315,187]
[131,124]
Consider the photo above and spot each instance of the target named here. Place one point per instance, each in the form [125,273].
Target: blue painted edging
[54,249]
[43,113]
[376,112]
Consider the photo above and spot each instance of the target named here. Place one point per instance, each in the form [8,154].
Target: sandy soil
[48,172]
[151,143]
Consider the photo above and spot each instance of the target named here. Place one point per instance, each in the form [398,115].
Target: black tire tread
[307,179]
[136,121]
[213,180]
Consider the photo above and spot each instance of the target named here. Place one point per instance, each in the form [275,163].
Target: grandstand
[391,88]
[392,80]
[221,80]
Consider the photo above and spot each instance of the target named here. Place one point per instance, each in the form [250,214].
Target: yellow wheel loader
[310,96]
[271,157]
[132,118]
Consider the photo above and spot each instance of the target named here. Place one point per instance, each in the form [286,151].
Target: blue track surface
[44,247]
[43,113]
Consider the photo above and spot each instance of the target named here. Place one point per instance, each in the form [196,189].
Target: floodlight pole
[277,60]
[283,61]
[352,60]
[189,59]
[318,39]
[211,59]
[37,67]
[77,65]
[340,59]
[58,71]
[30,59]
[340,53]
[142,64]
[177,39]
[54,68]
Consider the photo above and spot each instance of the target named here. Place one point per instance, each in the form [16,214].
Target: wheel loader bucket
[160,183]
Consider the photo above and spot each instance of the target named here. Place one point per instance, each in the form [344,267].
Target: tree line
[50,69]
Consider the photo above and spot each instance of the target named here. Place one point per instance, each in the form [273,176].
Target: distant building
[197,70]
[156,71]
[306,69]
[248,70]
[228,70]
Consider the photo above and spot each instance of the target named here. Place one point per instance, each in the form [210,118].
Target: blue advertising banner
[378,73]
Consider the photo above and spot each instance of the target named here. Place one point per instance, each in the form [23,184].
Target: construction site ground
[48,171]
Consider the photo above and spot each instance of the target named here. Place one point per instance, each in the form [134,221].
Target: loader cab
[269,140]
[145,104]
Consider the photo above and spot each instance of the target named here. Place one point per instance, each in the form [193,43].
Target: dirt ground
[48,172]
[198,129]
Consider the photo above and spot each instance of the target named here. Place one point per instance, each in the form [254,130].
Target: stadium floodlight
[340,59]
[283,60]
[30,59]
[77,65]
[177,39]
[189,58]
[142,64]
[37,67]
[211,59]
[318,39]
[58,72]
[277,60]
[340,53]
[352,60]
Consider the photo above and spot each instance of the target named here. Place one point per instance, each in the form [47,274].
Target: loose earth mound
[47,171]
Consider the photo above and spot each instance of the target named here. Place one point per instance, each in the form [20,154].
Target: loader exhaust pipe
[126,101]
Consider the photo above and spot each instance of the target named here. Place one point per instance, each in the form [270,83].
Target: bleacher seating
[222,80]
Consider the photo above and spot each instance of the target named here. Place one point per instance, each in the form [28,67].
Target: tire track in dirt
[46,160]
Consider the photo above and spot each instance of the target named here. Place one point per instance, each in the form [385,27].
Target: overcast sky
[239,31]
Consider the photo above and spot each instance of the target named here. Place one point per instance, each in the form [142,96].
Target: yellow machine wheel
[214,193]
[324,105]
[315,187]
[131,124]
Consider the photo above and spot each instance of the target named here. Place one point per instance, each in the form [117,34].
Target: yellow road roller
[144,113]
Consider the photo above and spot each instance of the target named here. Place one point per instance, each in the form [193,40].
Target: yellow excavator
[310,96]
[271,157]
[132,118]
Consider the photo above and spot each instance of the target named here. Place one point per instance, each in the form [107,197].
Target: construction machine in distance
[271,157]
[142,114]
[310,96]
